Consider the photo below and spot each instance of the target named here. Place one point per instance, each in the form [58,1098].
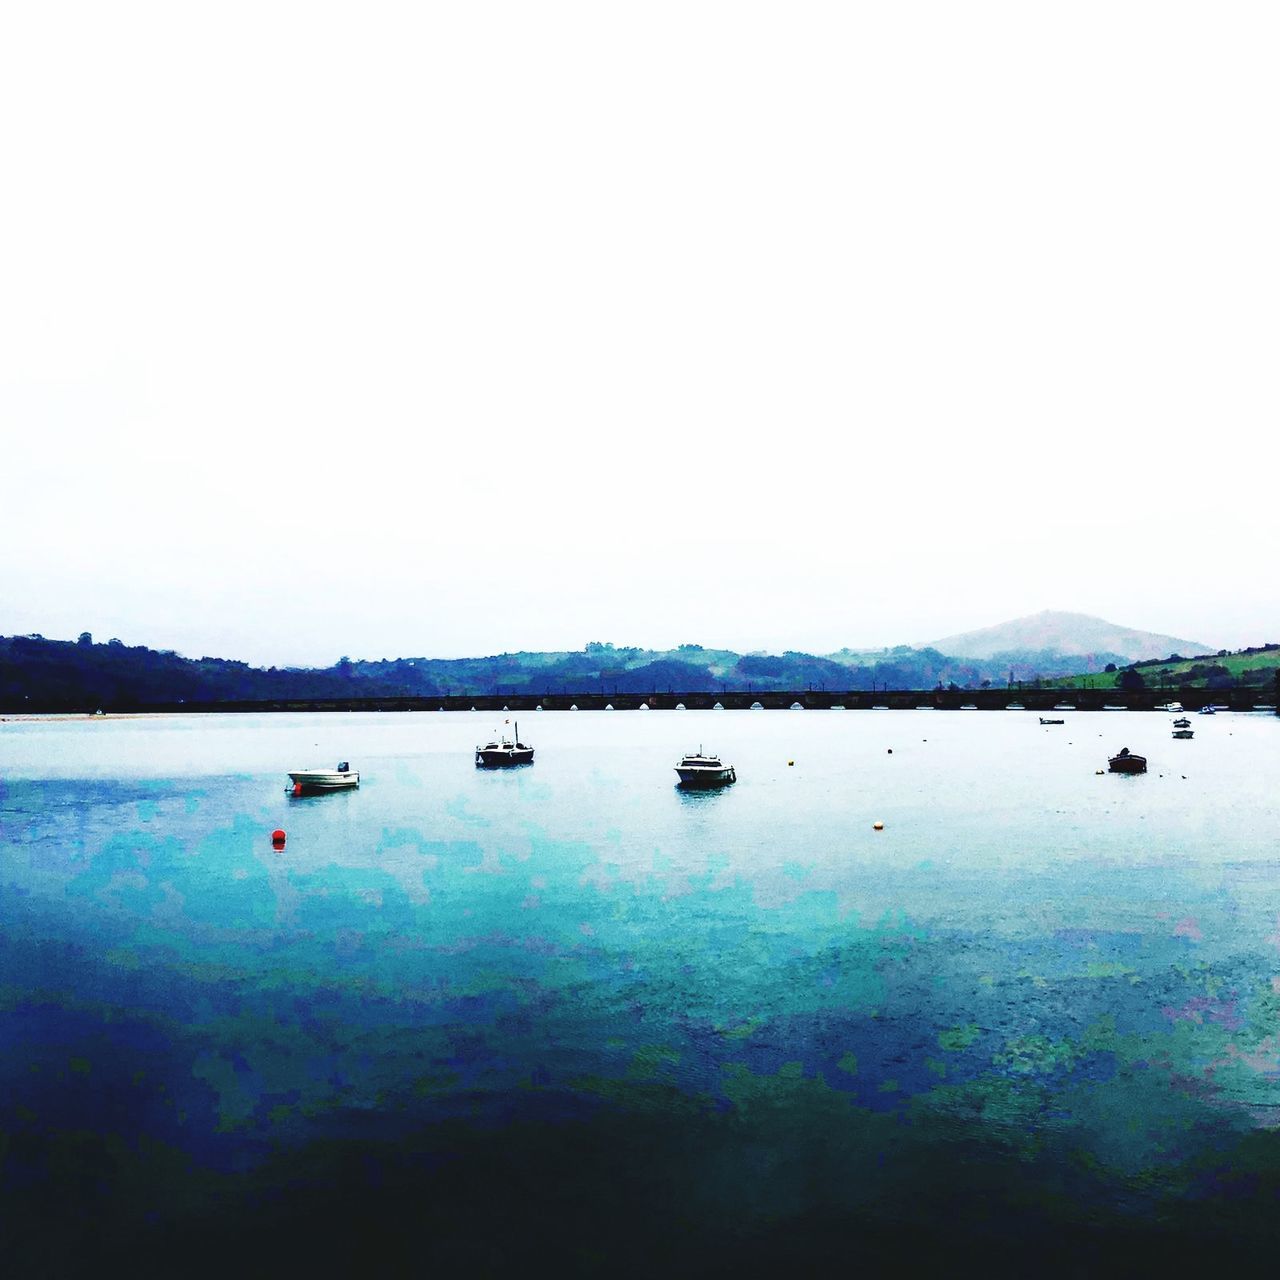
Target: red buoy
[297,788]
[277,838]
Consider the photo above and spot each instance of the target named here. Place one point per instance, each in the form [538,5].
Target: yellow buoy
[878,826]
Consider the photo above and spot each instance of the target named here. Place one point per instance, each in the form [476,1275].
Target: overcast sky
[453,328]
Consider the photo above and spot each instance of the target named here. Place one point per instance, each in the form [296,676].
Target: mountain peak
[1066,633]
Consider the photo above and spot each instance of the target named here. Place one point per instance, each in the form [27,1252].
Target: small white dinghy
[324,779]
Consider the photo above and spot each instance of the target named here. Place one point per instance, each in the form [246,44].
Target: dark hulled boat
[1127,762]
[503,751]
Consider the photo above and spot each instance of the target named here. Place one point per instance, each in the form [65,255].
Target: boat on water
[701,770]
[1126,762]
[1175,707]
[1263,706]
[1015,706]
[338,779]
[502,751]
[1184,733]
[1112,707]
[1182,723]
[1065,706]
[1046,720]
[1208,710]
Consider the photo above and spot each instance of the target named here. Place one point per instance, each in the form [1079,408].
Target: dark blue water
[569,1015]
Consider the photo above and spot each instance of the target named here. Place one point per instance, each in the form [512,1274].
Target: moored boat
[1182,723]
[1046,720]
[700,770]
[1184,733]
[502,751]
[1126,762]
[338,779]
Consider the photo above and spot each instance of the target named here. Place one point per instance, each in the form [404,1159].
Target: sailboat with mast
[502,751]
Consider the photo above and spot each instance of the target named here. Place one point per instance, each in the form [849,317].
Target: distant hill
[64,675]
[1066,635]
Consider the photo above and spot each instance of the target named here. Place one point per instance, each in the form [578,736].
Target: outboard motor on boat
[344,767]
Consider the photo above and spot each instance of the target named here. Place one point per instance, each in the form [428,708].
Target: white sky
[453,328]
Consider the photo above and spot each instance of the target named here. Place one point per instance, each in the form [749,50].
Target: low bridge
[1044,699]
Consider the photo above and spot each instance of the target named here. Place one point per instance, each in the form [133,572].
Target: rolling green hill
[1223,670]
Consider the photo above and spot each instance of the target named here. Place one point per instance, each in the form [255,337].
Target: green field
[1244,668]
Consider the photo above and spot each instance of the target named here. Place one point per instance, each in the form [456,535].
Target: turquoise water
[570,1013]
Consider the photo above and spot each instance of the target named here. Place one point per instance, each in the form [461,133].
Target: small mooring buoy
[877,826]
[790,763]
[891,751]
[277,839]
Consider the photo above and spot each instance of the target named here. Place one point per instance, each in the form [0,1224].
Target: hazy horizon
[403,331]
[1193,647]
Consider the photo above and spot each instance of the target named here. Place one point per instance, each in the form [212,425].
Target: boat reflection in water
[699,771]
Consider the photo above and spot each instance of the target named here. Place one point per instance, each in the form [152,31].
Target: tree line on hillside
[41,674]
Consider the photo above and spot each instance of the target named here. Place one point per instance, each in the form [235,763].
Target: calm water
[569,1014]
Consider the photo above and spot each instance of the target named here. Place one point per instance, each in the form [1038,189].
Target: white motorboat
[1175,707]
[502,751]
[699,770]
[324,779]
